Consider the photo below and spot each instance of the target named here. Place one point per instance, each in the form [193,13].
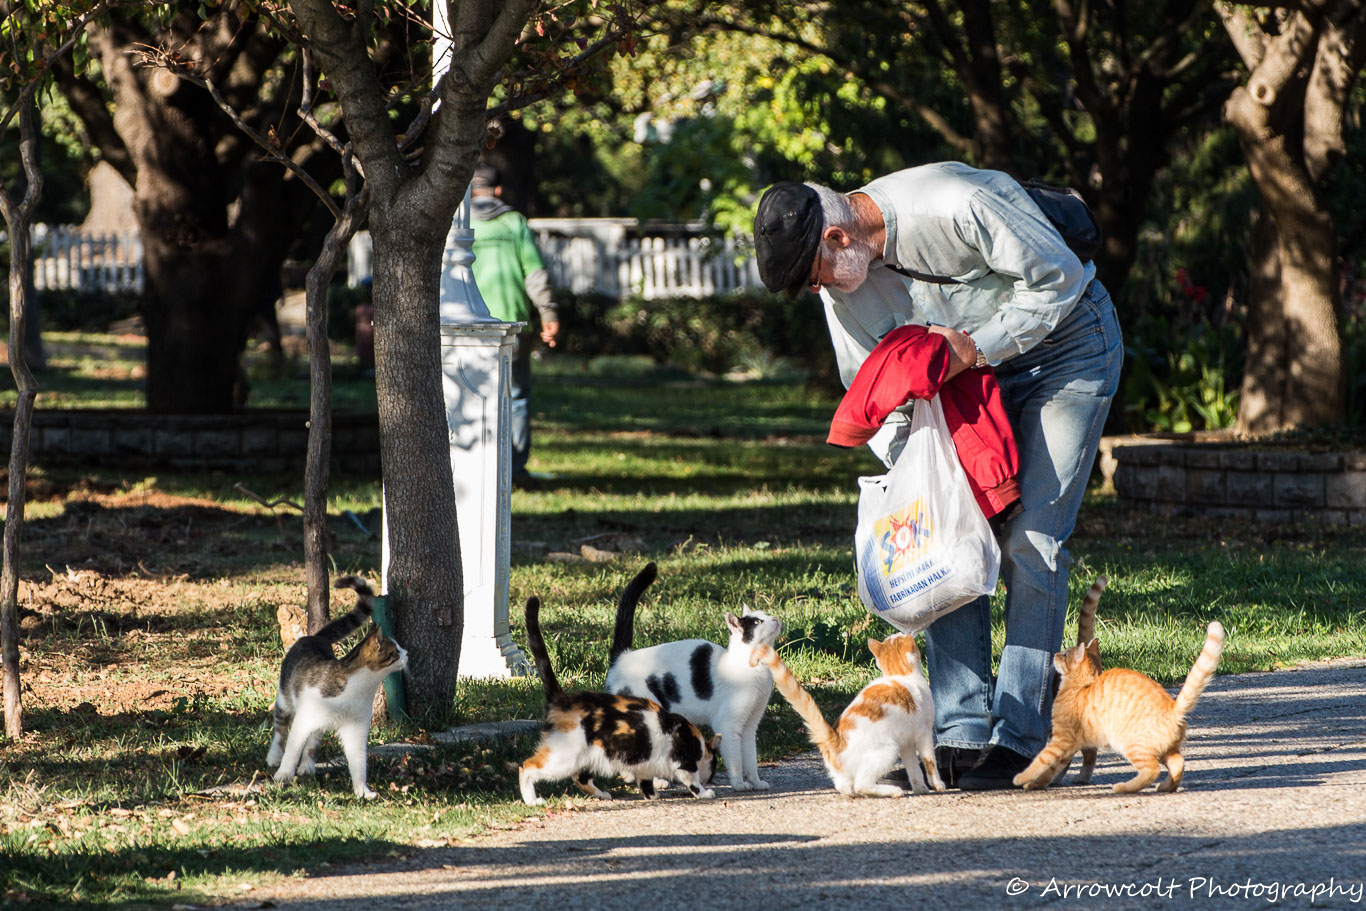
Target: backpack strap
[923,276]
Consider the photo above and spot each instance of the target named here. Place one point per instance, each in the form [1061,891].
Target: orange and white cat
[891,718]
[1123,710]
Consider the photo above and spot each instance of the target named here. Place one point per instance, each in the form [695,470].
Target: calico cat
[717,687]
[1086,631]
[319,693]
[587,734]
[1122,709]
[891,718]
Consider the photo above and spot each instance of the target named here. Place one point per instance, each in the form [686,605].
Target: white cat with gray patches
[320,693]
[706,683]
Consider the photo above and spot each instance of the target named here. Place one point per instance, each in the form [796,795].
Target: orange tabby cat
[891,718]
[1122,709]
[1086,631]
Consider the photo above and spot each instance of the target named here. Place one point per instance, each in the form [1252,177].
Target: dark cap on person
[485,177]
[787,230]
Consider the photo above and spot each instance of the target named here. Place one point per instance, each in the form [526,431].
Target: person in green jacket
[511,278]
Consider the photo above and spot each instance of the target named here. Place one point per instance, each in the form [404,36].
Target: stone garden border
[1260,482]
[252,441]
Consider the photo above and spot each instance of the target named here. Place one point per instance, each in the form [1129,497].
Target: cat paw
[366,794]
[742,785]
[283,775]
[306,767]
[538,802]
[704,794]
[761,785]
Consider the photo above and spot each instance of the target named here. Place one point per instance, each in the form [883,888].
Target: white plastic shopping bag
[922,544]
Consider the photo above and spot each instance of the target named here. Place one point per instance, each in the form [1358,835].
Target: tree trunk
[196,311]
[17,219]
[425,582]
[1294,373]
[1264,368]
[318,467]
[216,222]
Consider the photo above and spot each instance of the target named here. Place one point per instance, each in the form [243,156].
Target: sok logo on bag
[906,540]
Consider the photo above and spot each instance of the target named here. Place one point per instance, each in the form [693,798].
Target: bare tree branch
[269,143]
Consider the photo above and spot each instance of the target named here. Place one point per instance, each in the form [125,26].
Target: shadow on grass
[135,876]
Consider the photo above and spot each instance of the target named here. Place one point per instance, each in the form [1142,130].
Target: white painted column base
[476,361]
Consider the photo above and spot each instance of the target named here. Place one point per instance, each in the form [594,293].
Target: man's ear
[837,236]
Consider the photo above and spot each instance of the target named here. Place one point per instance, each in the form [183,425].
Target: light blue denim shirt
[1018,278]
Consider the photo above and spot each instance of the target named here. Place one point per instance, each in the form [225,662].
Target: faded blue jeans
[1057,395]
[520,416]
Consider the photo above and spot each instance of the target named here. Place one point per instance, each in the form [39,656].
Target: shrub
[79,311]
[750,330]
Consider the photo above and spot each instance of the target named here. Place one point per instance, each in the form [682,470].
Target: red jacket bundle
[911,363]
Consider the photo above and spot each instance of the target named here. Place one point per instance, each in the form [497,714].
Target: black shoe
[950,762]
[525,480]
[897,777]
[994,771]
[953,762]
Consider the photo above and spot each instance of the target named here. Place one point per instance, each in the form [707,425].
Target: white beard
[850,266]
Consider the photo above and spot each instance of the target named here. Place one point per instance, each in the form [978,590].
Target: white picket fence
[65,258]
[596,255]
[649,267]
[581,255]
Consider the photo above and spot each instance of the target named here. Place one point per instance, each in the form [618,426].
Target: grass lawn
[150,646]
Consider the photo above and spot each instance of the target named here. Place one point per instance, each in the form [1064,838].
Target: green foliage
[1180,308]
[1180,391]
[721,116]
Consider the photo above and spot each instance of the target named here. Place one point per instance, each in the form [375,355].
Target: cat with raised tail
[1086,631]
[891,718]
[587,734]
[710,685]
[320,692]
[1123,710]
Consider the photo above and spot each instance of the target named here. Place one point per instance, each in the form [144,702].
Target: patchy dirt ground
[175,587]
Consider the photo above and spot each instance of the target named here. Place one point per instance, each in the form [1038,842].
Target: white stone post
[476,363]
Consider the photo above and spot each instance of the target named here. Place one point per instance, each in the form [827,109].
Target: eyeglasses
[815,283]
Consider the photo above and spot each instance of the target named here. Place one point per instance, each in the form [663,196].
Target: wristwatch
[981,357]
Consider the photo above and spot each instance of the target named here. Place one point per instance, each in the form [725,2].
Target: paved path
[1274,797]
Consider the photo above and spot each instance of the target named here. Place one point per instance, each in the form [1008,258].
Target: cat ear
[874,646]
[733,622]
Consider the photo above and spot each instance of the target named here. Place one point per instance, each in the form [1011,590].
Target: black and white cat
[587,734]
[704,682]
[320,693]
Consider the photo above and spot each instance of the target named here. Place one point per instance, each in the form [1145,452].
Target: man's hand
[962,350]
[548,333]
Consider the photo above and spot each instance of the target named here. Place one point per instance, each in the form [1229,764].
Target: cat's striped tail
[1086,615]
[1203,670]
[349,622]
[823,736]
